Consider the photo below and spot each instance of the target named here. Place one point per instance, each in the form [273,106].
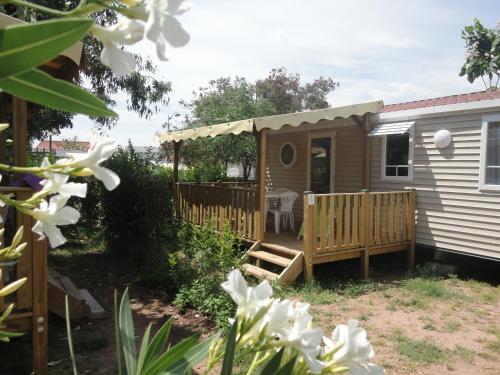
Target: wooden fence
[221,203]
[337,223]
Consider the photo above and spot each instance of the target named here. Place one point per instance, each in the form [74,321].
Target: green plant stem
[257,361]
[81,9]
[41,8]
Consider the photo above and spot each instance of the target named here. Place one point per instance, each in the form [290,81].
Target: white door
[320,162]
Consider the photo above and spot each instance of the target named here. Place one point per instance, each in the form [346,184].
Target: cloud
[378,50]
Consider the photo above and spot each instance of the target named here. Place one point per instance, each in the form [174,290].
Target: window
[287,154]
[397,155]
[489,174]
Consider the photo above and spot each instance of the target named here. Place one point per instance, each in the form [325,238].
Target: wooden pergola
[30,312]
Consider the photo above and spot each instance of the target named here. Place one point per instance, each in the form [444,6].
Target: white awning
[272,122]
[394,128]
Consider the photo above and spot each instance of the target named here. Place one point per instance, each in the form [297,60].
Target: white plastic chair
[285,211]
[267,208]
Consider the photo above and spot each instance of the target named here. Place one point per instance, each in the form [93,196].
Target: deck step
[259,272]
[281,249]
[270,257]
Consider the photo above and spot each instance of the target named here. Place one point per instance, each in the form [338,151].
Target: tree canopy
[482,54]
[146,94]
[226,100]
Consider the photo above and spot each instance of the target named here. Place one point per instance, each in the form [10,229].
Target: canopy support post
[261,180]
[175,177]
[367,152]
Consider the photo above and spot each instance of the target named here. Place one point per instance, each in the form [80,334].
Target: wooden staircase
[273,262]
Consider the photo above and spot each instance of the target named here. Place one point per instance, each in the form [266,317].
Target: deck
[284,239]
[336,226]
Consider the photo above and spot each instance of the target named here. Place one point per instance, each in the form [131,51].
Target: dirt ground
[416,325]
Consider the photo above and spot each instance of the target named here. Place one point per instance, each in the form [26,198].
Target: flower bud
[84,172]
[12,287]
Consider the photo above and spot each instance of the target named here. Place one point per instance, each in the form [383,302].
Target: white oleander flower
[351,349]
[51,214]
[58,183]
[125,32]
[90,162]
[249,299]
[161,25]
[290,324]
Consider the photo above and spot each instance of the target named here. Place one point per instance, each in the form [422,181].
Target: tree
[146,94]
[226,100]
[482,54]
[285,91]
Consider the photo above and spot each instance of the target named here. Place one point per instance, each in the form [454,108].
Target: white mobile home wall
[452,213]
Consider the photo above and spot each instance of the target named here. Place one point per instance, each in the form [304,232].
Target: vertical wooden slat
[390,214]
[309,235]
[322,224]
[378,213]
[331,223]
[355,219]
[411,249]
[406,227]
[367,220]
[397,217]
[347,221]
[340,220]
[175,178]
[239,212]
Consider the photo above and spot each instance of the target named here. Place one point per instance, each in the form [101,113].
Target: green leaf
[158,343]
[127,334]
[118,343]
[287,368]
[227,365]
[273,365]
[194,356]
[143,349]
[23,47]
[40,88]
[171,356]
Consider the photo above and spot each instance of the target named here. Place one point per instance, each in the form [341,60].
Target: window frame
[411,146]
[294,154]
[483,186]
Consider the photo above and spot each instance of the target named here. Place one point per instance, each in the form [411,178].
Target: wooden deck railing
[221,203]
[335,223]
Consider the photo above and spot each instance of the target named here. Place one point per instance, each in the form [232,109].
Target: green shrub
[203,172]
[137,217]
[201,265]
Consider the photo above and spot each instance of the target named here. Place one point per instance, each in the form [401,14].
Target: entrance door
[320,162]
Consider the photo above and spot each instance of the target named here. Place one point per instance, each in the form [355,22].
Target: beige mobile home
[358,181]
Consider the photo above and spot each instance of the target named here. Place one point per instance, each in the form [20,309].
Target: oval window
[287,154]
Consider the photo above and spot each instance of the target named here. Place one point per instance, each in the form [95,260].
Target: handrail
[342,221]
[232,205]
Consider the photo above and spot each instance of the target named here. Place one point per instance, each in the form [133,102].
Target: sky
[376,49]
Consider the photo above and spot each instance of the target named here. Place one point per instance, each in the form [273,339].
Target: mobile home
[369,179]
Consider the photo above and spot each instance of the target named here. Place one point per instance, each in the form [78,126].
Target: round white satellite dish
[442,138]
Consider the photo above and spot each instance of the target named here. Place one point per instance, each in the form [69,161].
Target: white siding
[451,211]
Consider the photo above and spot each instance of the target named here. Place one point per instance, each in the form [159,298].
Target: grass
[419,351]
